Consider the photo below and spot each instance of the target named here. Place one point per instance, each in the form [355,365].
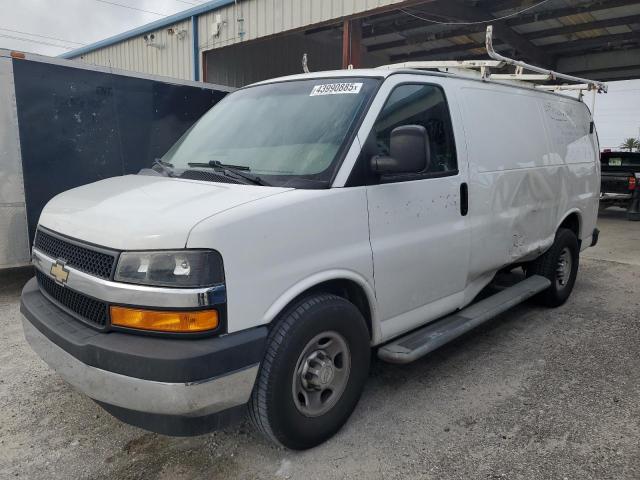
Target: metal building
[236,42]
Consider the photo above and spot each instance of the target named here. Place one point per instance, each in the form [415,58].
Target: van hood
[138,212]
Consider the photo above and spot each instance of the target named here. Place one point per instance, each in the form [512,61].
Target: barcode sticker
[335,89]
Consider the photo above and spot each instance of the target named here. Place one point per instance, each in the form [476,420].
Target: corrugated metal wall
[242,64]
[173,59]
[239,65]
[260,18]
[268,17]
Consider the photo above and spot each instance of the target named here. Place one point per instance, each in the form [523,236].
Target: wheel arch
[572,221]
[343,283]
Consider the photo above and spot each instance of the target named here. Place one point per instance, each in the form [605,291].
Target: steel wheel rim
[321,374]
[564,267]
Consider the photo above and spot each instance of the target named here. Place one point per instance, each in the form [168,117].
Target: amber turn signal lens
[165,320]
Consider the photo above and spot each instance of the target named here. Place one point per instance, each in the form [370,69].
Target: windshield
[289,133]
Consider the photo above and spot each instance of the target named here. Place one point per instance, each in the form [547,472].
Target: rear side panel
[568,127]
[513,181]
[14,246]
[532,162]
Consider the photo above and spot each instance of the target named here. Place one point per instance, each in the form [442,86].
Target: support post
[352,43]
[195,49]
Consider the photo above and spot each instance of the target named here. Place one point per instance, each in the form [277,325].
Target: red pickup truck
[620,182]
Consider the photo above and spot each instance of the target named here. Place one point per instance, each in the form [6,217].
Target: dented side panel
[532,163]
[568,123]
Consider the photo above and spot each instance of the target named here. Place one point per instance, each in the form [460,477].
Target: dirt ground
[534,394]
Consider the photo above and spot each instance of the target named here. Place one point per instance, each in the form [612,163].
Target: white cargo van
[301,223]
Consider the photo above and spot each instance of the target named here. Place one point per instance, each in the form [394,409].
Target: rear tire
[560,265]
[313,372]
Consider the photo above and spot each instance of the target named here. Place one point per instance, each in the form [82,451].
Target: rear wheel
[313,373]
[560,265]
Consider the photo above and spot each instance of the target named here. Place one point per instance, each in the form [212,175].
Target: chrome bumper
[192,399]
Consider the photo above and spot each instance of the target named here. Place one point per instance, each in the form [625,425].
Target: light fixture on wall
[150,41]
[179,33]
[241,32]
[217,25]
[240,20]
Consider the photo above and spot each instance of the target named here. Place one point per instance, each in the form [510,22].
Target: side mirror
[408,152]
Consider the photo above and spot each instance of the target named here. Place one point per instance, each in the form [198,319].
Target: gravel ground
[534,394]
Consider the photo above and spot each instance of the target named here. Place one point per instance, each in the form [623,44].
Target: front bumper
[172,386]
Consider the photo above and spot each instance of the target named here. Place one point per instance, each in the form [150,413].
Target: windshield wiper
[235,170]
[165,167]
[218,163]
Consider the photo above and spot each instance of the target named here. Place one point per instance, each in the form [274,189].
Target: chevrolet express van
[299,224]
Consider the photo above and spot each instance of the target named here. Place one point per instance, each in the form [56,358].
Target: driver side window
[425,105]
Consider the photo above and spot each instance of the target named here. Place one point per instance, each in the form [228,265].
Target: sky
[57,26]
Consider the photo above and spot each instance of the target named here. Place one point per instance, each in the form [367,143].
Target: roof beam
[618,59]
[583,27]
[457,9]
[424,54]
[617,71]
[613,74]
[412,24]
[499,5]
[587,44]
[586,7]
[564,63]
[604,66]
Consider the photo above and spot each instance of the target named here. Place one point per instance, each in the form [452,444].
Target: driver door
[419,230]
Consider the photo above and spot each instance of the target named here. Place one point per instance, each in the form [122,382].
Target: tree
[630,144]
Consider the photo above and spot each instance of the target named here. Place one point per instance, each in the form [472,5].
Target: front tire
[313,372]
[560,265]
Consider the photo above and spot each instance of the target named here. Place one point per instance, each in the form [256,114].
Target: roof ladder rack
[483,67]
[543,73]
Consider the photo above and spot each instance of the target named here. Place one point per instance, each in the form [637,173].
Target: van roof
[385,72]
[356,72]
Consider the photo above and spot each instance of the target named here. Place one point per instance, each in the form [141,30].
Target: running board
[420,342]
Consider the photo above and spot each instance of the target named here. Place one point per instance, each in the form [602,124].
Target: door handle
[464,199]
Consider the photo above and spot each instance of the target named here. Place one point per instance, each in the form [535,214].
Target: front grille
[90,261]
[208,176]
[88,309]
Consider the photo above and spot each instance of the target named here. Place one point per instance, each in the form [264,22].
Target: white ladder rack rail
[483,69]
[599,87]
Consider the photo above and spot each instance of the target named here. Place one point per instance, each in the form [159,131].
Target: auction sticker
[335,89]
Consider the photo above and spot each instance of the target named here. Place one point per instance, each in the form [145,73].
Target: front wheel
[560,265]
[313,373]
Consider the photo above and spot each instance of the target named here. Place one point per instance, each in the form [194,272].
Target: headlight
[171,268]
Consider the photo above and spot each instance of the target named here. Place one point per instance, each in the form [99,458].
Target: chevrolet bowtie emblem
[58,272]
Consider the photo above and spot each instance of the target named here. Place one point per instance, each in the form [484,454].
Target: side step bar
[420,342]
